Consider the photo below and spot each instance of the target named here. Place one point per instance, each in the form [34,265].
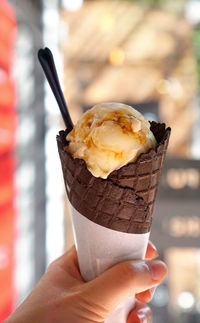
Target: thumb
[123,280]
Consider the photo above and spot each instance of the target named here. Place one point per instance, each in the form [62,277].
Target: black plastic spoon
[47,62]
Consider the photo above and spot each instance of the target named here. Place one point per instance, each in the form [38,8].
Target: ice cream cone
[125,200]
[112,217]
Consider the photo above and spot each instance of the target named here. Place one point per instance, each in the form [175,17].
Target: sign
[180,180]
[176,218]
[176,224]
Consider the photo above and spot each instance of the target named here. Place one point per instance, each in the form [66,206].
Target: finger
[151,252]
[146,296]
[68,256]
[141,313]
[69,263]
[124,280]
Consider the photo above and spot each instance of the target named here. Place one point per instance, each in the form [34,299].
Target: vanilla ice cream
[109,136]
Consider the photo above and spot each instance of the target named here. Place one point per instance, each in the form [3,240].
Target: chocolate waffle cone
[125,200]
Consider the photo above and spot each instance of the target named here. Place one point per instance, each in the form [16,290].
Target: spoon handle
[47,62]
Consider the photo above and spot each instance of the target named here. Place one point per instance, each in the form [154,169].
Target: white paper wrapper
[99,248]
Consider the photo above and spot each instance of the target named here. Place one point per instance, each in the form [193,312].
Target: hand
[142,312]
[62,296]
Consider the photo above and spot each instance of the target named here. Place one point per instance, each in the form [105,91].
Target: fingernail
[154,248]
[143,316]
[140,319]
[152,291]
[158,270]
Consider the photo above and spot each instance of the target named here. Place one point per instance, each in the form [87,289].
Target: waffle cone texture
[125,200]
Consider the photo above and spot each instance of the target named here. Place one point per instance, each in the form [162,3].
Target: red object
[8,30]
[7,259]
[6,57]
[8,95]
[7,182]
[5,311]
[8,25]
[8,124]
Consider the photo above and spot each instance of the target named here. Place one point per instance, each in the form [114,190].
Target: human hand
[62,296]
[141,312]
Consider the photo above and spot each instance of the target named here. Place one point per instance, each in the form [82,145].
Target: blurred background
[145,53]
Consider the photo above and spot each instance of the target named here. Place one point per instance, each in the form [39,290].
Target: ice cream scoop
[112,217]
[109,136]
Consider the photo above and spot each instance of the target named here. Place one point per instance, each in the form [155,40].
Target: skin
[62,296]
